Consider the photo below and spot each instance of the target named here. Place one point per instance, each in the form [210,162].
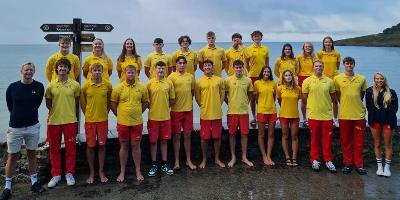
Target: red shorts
[237,120]
[159,130]
[210,127]
[95,130]
[182,120]
[127,133]
[384,127]
[301,79]
[253,79]
[266,118]
[291,121]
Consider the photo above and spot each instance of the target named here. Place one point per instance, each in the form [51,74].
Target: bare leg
[187,143]
[90,160]
[32,164]
[164,150]
[102,155]
[177,146]
[123,157]
[204,147]
[153,151]
[387,138]
[217,149]
[376,134]
[335,109]
[232,144]
[243,140]
[261,143]
[271,137]
[304,111]
[136,156]
[294,131]
[285,138]
[253,108]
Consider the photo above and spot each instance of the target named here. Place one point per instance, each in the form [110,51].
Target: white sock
[387,163]
[34,178]
[8,183]
[379,162]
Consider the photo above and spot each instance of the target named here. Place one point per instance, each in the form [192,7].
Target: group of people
[327,97]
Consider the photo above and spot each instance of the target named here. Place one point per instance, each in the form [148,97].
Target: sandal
[253,123]
[305,124]
[294,162]
[288,162]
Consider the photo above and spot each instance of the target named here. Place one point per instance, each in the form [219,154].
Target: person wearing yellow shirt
[156,56]
[95,104]
[129,99]
[210,94]
[98,56]
[305,61]
[65,44]
[127,57]
[265,95]
[236,52]
[288,95]
[62,99]
[213,53]
[161,98]
[318,93]
[189,54]
[257,57]
[239,91]
[350,90]
[331,59]
[182,110]
[286,61]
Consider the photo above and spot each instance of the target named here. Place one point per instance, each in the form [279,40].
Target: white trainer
[386,171]
[54,181]
[70,179]
[379,172]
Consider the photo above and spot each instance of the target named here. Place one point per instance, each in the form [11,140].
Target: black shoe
[6,194]
[361,171]
[347,169]
[37,188]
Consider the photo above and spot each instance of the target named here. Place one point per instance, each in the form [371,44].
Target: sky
[144,20]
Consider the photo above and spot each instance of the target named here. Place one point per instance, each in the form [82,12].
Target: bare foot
[219,163]
[265,160]
[203,164]
[176,166]
[247,162]
[103,177]
[270,162]
[90,179]
[190,165]
[232,162]
[139,176]
[121,178]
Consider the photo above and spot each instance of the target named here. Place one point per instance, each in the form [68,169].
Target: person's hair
[96,65]
[318,61]
[260,76]
[160,64]
[102,50]
[327,38]
[181,58]
[349,59]
[63,61]
[312,49]
[257,32]
[387,96]
[292,84]
[158,41]
[283,51]
[238,62]
[28,64]
[122,56]
[236,35]
[64,39]
[180,39]
[210,34]
[208,61]
[130,67]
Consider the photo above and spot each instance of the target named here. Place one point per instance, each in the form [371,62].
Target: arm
[83,101]
[49,104]
[334,97]
[110,66]
[395,101]
[109,100]
[9,99]
[85,68]
[222,92]
[118,68]
[197,94]
[49,68]
[147,71]
[362,94]
[304,97]
[337,94]
[276,68]
[114,106]
[77,68]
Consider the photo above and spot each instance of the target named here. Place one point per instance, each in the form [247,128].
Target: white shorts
[29,134]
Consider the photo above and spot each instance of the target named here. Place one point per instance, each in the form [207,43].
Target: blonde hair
[312,50]
[387,96]
[102,50]
[292,84]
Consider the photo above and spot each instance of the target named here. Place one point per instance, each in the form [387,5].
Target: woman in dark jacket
[382,105]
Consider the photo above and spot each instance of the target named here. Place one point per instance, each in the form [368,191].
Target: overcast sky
[279,20]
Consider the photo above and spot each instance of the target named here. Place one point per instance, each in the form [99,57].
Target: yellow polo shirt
[257,56]
[191,59]
[266,92]
[319,101]
[216,55]
[289,101]
[306,64]
[94,100]
[152,60]
[130,99]
[210,94]
[235,54]
[129,60]
[160,92]
[237,90]
[351,105]
[63,96]
[183,85]
[74,72]
[331,62]
[285,64]
[103,60]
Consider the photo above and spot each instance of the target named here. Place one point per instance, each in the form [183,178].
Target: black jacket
[381,115]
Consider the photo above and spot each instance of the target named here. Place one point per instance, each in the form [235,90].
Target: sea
[368,61]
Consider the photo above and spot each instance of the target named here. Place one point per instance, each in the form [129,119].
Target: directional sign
[57,27]
[56,37]
[89,37]
[97,27]
[86,48]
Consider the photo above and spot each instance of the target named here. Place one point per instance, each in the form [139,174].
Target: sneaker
[330,166]
[153,171]
[386,171]
[6,194]
[37,188]
[167,169]
[361,171]
[347,169]
[70,179]
[336,123]
[316,166]
[379,172]
[54,181]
